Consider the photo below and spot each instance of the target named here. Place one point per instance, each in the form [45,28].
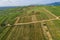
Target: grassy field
[54,9]
[30,23]
[54,28]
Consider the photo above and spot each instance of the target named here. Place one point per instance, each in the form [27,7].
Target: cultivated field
[30,23]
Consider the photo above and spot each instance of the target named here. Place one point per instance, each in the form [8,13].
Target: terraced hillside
[30,23]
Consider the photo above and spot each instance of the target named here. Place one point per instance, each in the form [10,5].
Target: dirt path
[50,12]
[46,32]
[34,18]
[17,20]
[35,22]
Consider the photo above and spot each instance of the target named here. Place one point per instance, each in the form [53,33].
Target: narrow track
[35,22]
[17,19]
[50,12]
[46,32]
[34,18]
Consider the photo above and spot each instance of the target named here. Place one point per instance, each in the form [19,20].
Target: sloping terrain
[30,23]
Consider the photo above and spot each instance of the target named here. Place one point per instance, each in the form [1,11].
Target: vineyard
[30,23]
